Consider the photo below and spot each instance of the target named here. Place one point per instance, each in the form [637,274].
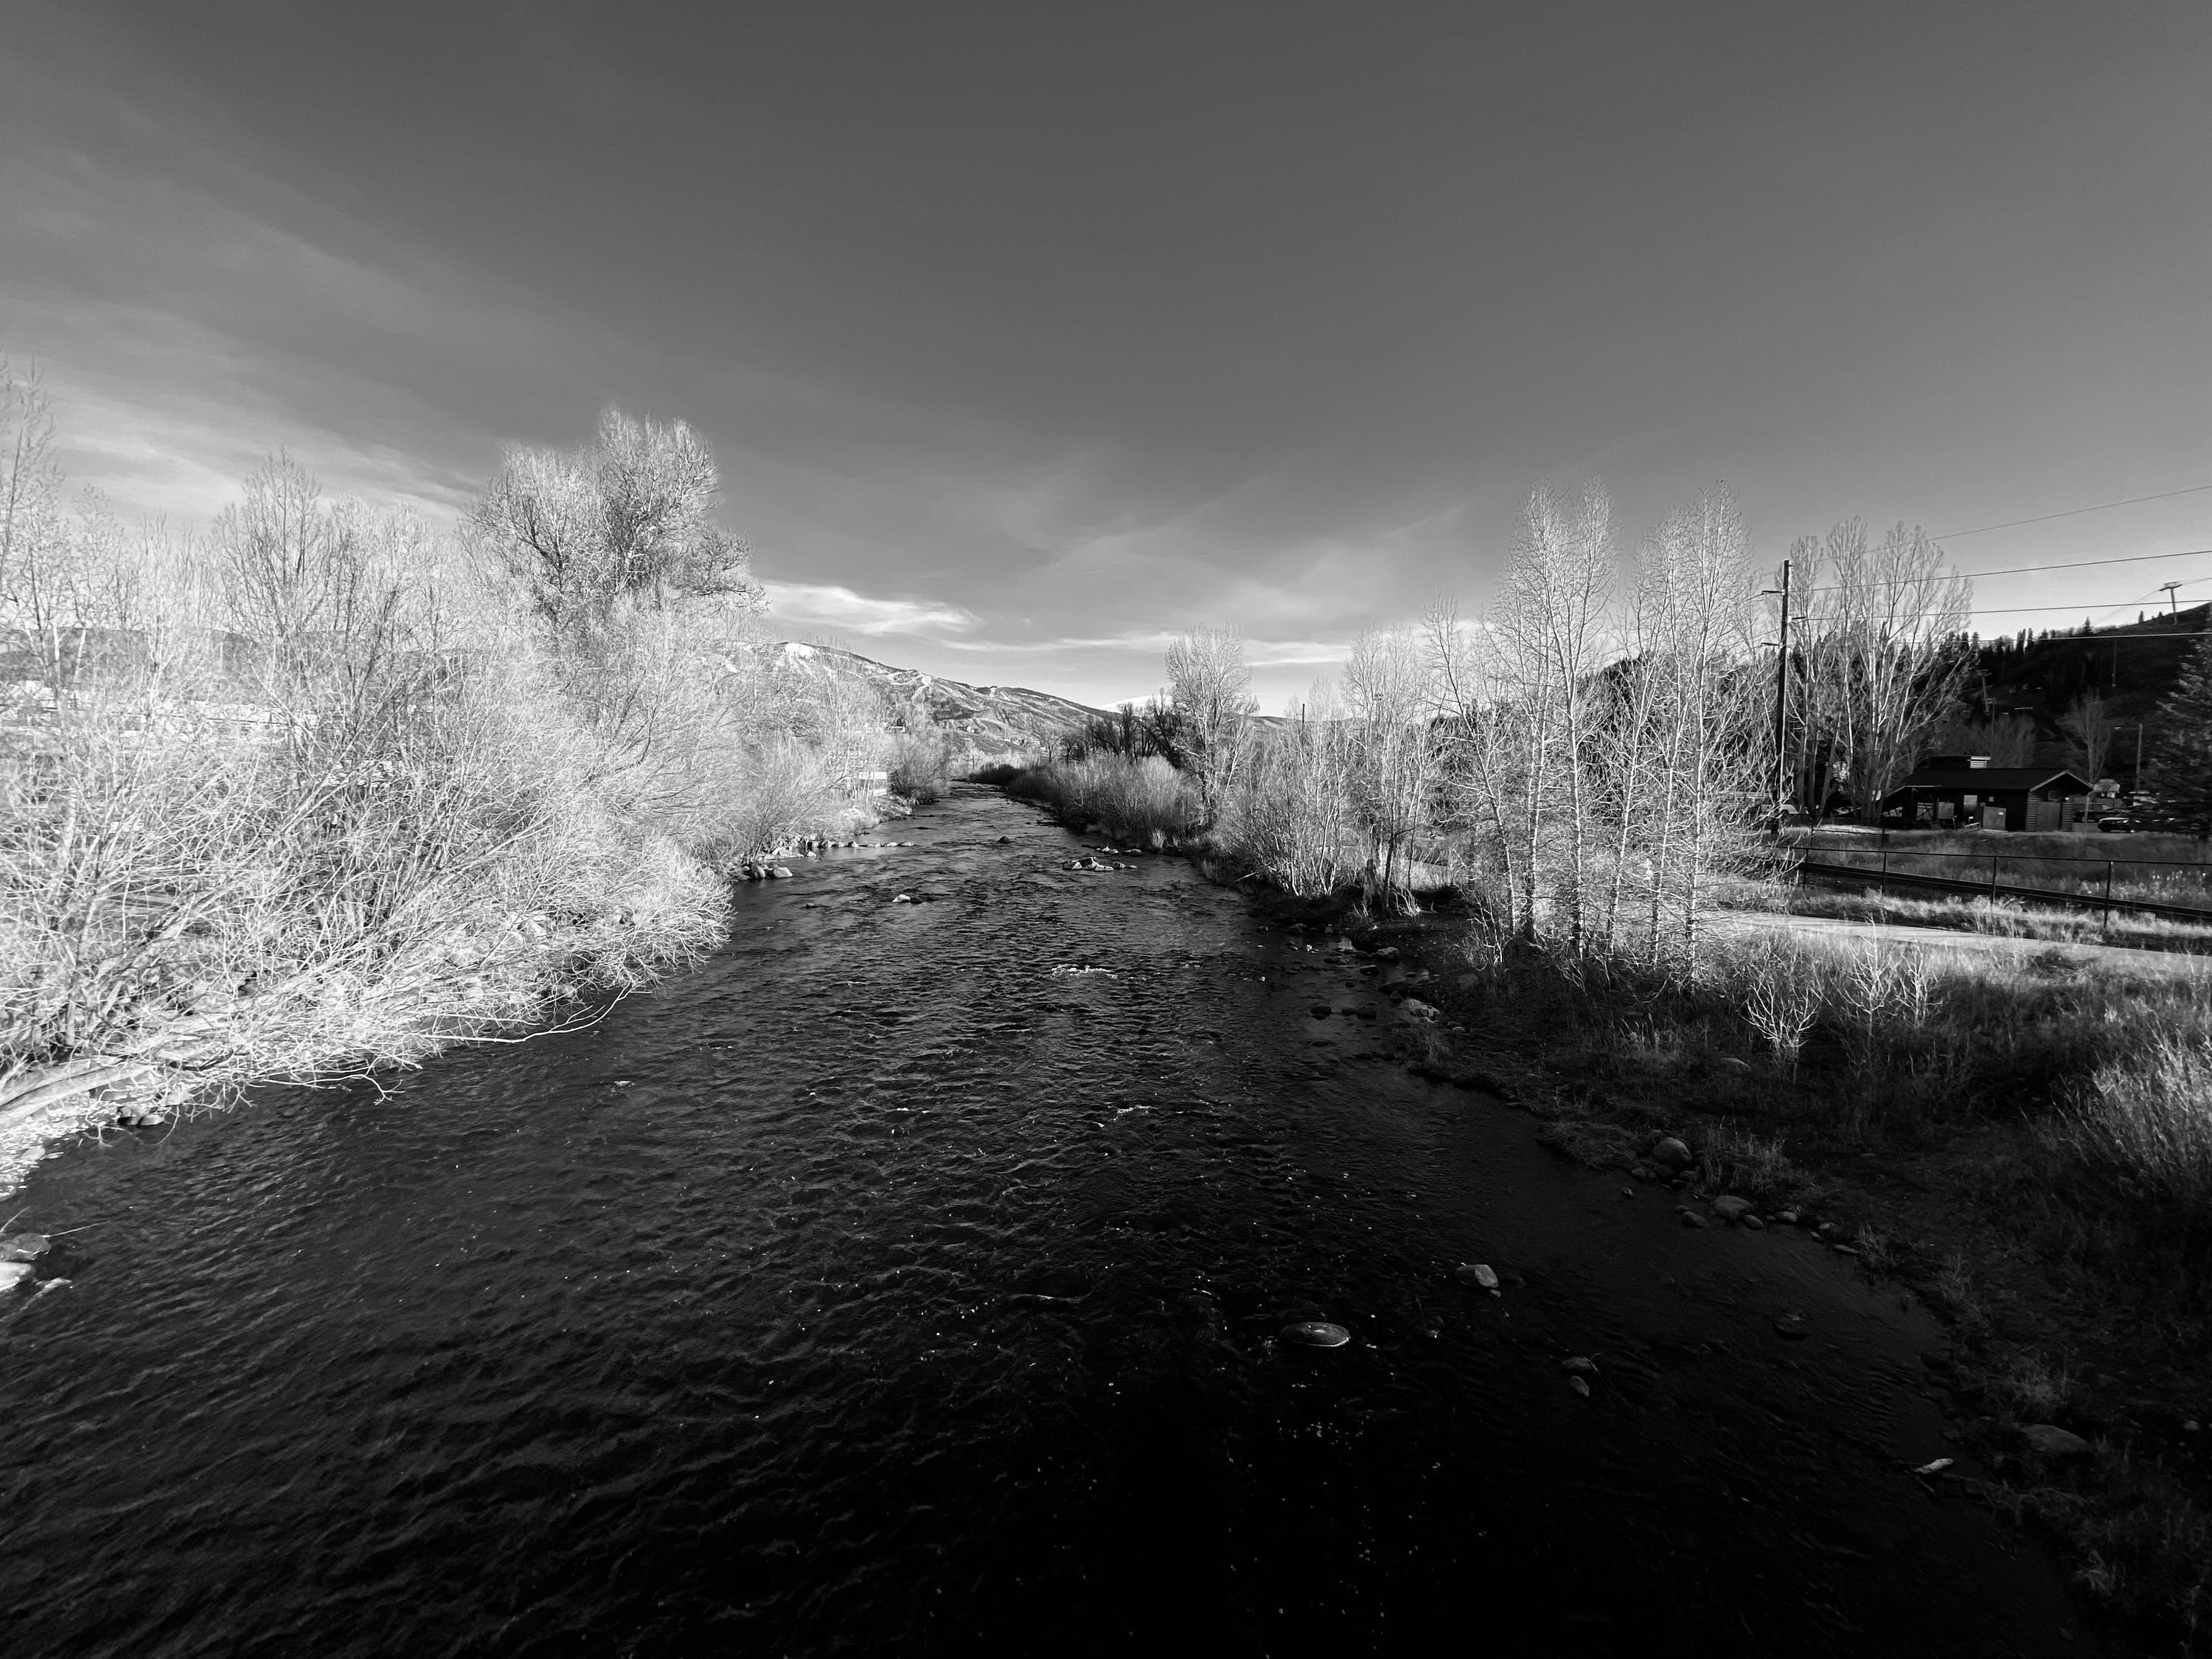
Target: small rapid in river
[878,1288]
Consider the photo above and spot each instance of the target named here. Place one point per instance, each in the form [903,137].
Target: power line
[2085,564]
[2079,610]
[2028,569]
[2076,512]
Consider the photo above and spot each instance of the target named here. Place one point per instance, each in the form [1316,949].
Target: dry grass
[2000,918]
[1139,802]
[2142,1125]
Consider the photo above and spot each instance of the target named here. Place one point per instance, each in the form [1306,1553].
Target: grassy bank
[2026,1141]
[2002,918]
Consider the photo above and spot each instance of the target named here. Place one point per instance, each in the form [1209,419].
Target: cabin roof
[1990,780]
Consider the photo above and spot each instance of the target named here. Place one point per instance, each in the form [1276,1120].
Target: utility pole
[2173,597]
[1782,710]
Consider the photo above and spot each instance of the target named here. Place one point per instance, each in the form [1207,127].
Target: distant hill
[985,719]
[2133,667]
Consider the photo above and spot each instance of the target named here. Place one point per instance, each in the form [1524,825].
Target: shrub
[1139,801]
[920,766]
[2143,1127]
[997,772]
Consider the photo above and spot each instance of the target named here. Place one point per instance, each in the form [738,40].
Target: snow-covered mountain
[989,717]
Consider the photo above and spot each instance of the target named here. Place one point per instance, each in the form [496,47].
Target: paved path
[1740,923]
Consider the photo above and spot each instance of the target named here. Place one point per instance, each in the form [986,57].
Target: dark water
[875,1289]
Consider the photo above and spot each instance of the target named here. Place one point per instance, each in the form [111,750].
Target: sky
[1027,336]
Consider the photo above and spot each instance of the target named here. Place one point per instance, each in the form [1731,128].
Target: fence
[2109,886]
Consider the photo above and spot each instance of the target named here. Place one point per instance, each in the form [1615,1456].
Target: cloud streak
[832,605]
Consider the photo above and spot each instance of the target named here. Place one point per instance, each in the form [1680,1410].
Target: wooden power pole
[1782,709]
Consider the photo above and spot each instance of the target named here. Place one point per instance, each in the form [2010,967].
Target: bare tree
[1210,686]
[294,574]
[1291,807]
[1483,783]
[30,476]
[1552,624]
[1696,597]
[2089,723]
[626,518]
[1390,700]
[1882,651]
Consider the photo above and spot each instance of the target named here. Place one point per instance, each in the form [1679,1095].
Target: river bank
[187,1044]
[2071,1313]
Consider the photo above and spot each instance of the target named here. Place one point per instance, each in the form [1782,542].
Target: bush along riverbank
[320,791]
[2021,1143]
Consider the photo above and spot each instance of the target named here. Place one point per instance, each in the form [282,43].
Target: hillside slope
[984,718]
[2133,667]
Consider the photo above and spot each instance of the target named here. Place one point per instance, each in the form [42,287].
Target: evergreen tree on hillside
[2181,759]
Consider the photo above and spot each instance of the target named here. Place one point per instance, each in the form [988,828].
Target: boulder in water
[12,1273]
[1478,1274]
[1731,1209]
[2052,1441]
[1671,1153]
[22,1247]
[1315,1334]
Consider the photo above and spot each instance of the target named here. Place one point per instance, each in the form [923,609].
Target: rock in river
[22,1247]
[1477,1273]
[1316,1333]
[2054,1442]
[1731,1209]
[12,1273]
[1672,1154]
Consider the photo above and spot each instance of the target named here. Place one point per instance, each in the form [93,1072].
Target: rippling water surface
[876,1288]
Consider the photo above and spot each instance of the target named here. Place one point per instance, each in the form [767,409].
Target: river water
[878,1288]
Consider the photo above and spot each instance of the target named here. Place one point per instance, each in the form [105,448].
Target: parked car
[2115,823]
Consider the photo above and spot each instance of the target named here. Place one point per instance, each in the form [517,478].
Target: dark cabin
[1959,791]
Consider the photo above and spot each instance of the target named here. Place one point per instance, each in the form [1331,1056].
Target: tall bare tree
[1211,688]
[1553,625]
[1882,651]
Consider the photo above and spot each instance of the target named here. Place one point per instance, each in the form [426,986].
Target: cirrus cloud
[830,605]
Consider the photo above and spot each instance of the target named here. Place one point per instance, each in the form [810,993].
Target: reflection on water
[878,1288]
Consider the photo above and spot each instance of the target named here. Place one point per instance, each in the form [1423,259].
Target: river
[877,1287]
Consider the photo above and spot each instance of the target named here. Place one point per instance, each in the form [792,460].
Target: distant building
[1961,790]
